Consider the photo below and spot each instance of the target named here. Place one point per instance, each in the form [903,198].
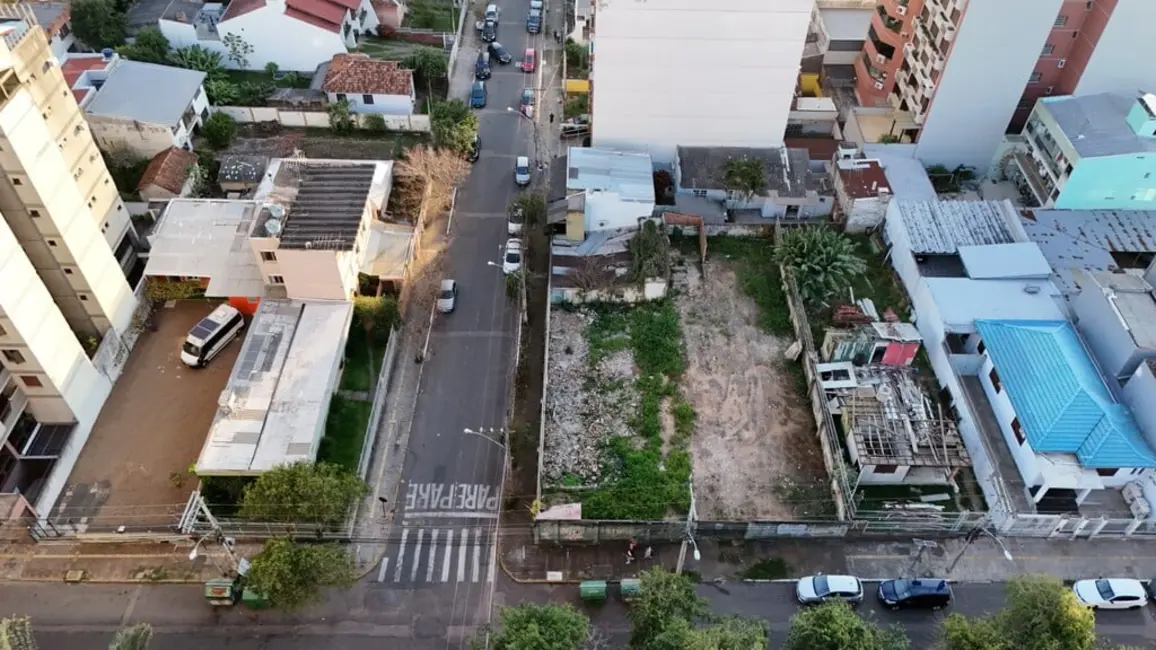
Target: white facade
[292,44]
[1119,64]
[378,104]
[678,72]
[992,56]
[610,211]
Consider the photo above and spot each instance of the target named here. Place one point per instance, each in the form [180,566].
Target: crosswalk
[437,555]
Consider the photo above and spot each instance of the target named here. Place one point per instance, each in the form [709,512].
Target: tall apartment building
[962,73]
[63,290]
[670,73]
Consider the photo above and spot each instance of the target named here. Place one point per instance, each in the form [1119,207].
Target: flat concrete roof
[207,238]
[273,410]
[962,301]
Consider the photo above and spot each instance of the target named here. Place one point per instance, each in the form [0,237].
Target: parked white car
[1111,593]
[512,256]
[820,588]
[536,4]
[522,171]
[514,221]
[447,296]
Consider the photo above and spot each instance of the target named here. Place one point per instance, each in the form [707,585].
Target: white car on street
[1111,593]
[522,171]
[447,296]
[512,256]
[821,588]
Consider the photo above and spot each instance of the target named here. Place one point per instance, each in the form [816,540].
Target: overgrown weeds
[759,277]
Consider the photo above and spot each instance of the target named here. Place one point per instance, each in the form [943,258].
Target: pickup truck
[534,21]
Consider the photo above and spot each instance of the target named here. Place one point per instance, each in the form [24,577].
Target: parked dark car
[482,66]
[534,21]
[475,151]
[478,95]
[489,32]
[527,102]
[923,593]
[500,53]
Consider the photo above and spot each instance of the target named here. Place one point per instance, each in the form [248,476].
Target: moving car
[1111,593]
[924,593]
[482,66]
[500,53]
[529,60]
[821,588]
[489,31]
[534,21]
[527,102]
[447,296]
[475,151]
[522,171]
[478,95]
[512,257]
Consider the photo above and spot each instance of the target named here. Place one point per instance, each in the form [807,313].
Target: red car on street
[530,60]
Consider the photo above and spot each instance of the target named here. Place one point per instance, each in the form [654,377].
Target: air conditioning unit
[879,58]
[878,85]
[1061,63]
[901,10]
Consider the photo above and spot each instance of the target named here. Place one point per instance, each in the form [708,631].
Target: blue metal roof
[1058,395]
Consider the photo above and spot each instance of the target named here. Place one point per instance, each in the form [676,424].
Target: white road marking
[493,559]
[433,553]
[449,552]
[450,515]
[477,553]
[384,568]
[400,555]
[462,554]
[416,556]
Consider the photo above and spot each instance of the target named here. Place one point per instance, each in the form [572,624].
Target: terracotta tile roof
[74,66]
[819,148]
[330,13]
[357,74]
[80,94]
[863,180]
[241,7]
[169,170]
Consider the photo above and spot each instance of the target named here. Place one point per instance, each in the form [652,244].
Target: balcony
[892,24]
[1036,182]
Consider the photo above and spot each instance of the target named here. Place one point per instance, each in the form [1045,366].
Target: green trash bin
[593,591]
[254,600]
[630,589]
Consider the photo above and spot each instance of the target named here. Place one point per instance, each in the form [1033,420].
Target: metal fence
[380,396]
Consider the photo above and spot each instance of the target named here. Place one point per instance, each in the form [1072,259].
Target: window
[52,243]
[34,213]
[17,181]
[268,256]
[1018,430]
[3,332]
[46,66]
[67,271]
[276,279]
[1061,63]
[1035,78]
[1048,49]
[699,193]
[30,381]
[1061,21]
[340,97]
[14,356]
[1106,471]
[1049,90]
[994,377]
[885,469]
[980,348]
[83,297]
[367,100]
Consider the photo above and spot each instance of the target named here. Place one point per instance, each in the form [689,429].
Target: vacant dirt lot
[275,141]
[133,471]
[754,438]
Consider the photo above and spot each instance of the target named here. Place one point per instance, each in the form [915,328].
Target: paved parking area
[133,471]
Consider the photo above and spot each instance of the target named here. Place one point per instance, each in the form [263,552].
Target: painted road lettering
[451,500]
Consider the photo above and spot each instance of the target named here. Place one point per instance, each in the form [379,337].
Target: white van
[211,335]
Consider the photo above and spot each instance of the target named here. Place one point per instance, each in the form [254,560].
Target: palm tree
[823,261]
[746,177]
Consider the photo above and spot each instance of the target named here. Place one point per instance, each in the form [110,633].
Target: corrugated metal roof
[1059,397]
[630,175]
[1096,125]
[1004,261]
[941,227]
[1086,239]
[146,92]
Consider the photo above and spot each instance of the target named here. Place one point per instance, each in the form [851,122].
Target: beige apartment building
[67,251]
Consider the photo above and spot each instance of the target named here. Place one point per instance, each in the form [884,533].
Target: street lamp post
[688,537]
[971,537]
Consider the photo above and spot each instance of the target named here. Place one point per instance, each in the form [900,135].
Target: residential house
[607,190]
[846,23]
[296,35]
[241,173]
[792,190]
[861,193]
[369,85]
[54,18]
[813,117]
[169,175]
[310,230]
[1116,315]
[1093,241]
[1093,152]
[390,13]
[144,107]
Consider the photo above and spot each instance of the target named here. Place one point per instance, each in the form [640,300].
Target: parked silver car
[447,296]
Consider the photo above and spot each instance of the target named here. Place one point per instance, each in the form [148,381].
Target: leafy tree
[151,46]
[746,177]
[271,69]
[835,626]
[663,597]
[136,637]
[97,23]
[732,633]
[377,314]
[453,125]
[253,93]
[318,493]
[340,117]
[529,209]
[239,50]
[218,130]
[428,63]
[1041,614]
[823,261]
[292,575]
[577,58]
[222,92]
[373,122]
[198,58]
[531,626]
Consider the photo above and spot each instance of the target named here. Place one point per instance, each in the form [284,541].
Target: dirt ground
[275,141]
[133,471]
[754,437]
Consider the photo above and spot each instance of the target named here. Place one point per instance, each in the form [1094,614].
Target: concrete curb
[106,581]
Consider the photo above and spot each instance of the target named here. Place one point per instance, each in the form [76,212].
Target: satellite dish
[273,227]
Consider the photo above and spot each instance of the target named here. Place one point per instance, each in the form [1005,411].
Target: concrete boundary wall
[318,119]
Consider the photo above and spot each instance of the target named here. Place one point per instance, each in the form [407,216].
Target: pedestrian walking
[647,553]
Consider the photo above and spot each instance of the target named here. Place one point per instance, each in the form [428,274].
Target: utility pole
[688,536]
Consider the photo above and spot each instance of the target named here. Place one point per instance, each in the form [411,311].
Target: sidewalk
[114,563]
[981,561]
